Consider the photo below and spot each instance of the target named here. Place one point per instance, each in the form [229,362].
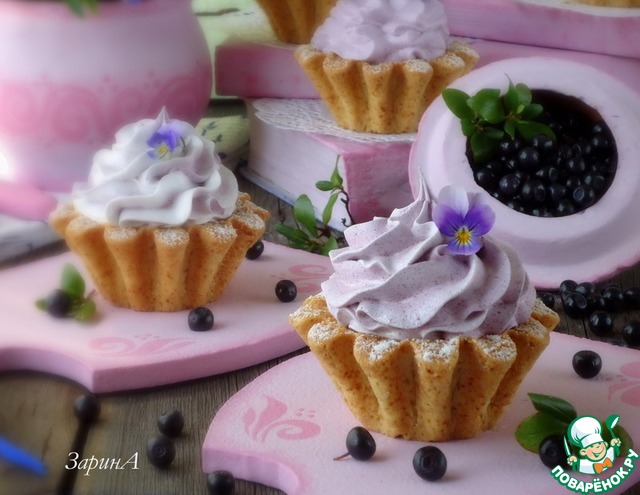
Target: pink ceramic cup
[68,83]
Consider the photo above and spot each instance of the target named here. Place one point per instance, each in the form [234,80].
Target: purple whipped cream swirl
[398,279]
[379,31]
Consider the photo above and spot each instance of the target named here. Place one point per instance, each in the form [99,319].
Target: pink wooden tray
[126,350]
[285,428]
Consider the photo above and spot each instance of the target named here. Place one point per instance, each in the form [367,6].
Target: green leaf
[324,185]
[532,111]
[457,101]
[292,234]
[41,304]
[468,127]
[305,214]
[529,130]
[493,133]
[84,311]
[328,209]
[72,282]
[511,100]
[486,103]
[536,428]
[510,128]
[332,243]
[555,407]
[336,178]
[523,94]
[482,147]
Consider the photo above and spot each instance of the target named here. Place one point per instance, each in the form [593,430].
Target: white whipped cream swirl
[398,279]
[130,187]
[379,31]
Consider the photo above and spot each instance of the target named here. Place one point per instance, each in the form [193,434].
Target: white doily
[313,116]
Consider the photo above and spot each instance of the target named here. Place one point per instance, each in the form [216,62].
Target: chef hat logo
[585,431]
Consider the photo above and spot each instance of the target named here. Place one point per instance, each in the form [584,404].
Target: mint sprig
[309,234]
[83,307]
[553,417]
[488,116]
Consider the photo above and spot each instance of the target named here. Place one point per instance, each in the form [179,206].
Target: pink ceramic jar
[68,83]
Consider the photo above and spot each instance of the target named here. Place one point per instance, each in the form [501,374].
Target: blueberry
[509,185]
[556,192]
[286,290]
[533,191]
[509,146]
[631,333]
[255,251]
[548,299]
[595,181]
[595,302]
[575,165]
[485,177]
[575,304]
[601,323]
[58,303]
[360,444]
[86,407]
[548,174]
[161,451]
[585,288]
[529,158]
[568,285]
[583,196]
[221,483]
[613,297]
[171,423]
[587,364]
[551,451]
[542,143]
[430,463]
[565,207]
[632,298]
[200,319]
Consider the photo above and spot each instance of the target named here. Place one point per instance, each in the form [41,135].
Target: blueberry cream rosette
[160,224]
[427,327]
[377,64]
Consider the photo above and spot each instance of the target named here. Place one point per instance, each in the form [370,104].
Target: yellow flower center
[463,236]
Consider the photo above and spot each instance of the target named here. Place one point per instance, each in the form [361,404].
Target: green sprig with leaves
[81,307]
[552,417]
[309,234]
[488,116]
[80,6]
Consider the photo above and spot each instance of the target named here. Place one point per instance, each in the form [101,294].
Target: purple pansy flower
[165,140]
[462,219]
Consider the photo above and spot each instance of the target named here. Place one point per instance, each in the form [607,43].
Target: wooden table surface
[37,409]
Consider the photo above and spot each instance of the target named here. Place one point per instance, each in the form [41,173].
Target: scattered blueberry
[58,303]
[286,290]
[631,333]
[567,285]
[632,298]
[161,451]
[575,304]
[255,251]
[613,297]
[86,407]
[171,423]
[430,463]
[360,444]
[585,288]
[221,483]
[200,319]
[587,364]
[601,323]
[548,299]
[551,451]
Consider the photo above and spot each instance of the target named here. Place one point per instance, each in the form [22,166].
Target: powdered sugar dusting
[439,349]
[171,237]
[379,348]
[498,347]
[321,332]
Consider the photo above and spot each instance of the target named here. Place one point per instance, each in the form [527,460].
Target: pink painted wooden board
[285,428]
[126,350]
